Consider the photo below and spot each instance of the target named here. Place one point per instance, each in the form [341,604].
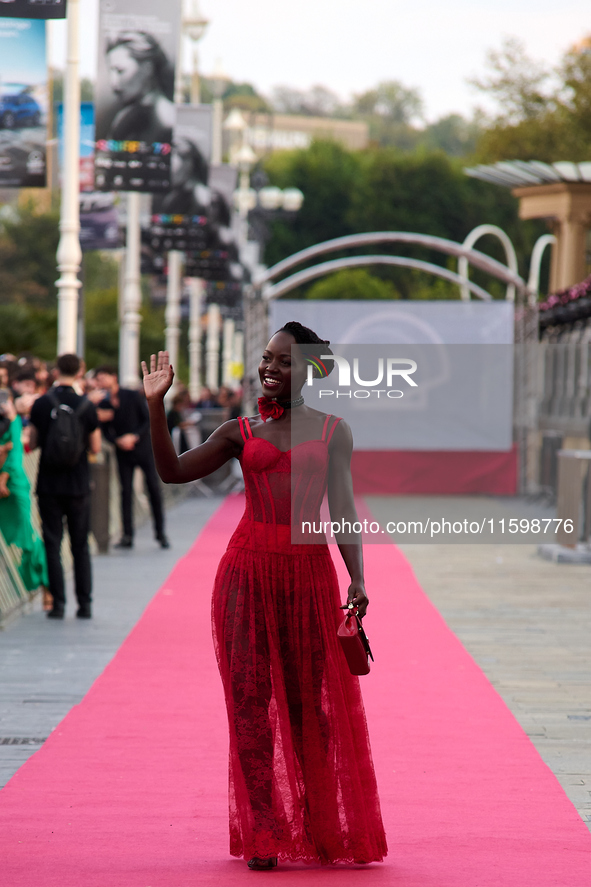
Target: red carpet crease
[130,790]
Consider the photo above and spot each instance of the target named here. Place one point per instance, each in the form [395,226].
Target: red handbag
[354,642]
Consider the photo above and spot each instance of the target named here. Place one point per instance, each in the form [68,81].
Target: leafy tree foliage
[28,244]
[353,283]
[318,101]
[542,113]
[383,189]
[28,328]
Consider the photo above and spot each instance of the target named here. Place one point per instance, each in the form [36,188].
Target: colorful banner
[99,222]
[86,143]
[32,9]
[179,217]
[23,103]
[138,46]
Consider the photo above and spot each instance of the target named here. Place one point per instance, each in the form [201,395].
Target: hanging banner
[86,143]
[23,103]
[179,217]
[138,46]
[220,261]
[99,222]
[32,8]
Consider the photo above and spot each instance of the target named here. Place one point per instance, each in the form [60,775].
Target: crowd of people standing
[38,403]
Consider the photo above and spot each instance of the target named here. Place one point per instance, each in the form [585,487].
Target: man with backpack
[65,426]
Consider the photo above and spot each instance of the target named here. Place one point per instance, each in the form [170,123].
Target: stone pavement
[527,624]
[48,666]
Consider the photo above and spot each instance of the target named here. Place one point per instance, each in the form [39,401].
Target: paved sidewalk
[48,666]
[527,623]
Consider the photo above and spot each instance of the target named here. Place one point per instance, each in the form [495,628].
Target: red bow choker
[272,409]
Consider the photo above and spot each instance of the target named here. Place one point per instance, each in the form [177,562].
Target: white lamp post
[129,336]
[69,254]
[219,81]
[212,355]
[227,351]
[196,291]
[194,25]
[172,314]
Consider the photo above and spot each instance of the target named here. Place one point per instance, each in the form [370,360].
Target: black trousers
[127,462]
[76,511]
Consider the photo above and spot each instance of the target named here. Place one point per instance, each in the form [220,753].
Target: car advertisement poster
[23,103]
[138,46]
[33,8]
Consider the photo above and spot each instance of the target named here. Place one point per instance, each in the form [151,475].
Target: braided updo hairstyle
[311,346]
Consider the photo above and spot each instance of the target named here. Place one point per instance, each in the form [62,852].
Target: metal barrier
[13,594]
[574,496]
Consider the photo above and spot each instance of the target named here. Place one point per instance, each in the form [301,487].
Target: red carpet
[130,790]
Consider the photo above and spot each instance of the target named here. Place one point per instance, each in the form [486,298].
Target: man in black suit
[123,414]
[63,490]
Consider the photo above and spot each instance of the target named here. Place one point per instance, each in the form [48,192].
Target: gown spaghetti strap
[302,784]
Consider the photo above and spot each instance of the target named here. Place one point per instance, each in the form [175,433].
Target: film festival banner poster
[179,217]
[220,260]
[99,217]
[87,140]
[194,216]
[40,9]
[207,239]
[23,103]
[138,45]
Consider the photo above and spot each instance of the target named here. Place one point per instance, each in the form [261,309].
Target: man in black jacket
[63,490]
[123,414]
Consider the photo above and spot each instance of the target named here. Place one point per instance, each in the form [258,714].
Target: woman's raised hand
[160,377]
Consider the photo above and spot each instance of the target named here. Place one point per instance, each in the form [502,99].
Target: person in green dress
[15,503]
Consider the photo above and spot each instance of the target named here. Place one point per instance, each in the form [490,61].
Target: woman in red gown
[302,784]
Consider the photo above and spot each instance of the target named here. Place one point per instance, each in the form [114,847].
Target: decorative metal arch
[440,244]
[536,263]
[471,239]
[277,290]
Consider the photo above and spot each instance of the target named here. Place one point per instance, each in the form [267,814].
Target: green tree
[542,113]
[352,283]
[28,271]
[391,111]
[27,328]
[327,174]
[387,190]
[101,316]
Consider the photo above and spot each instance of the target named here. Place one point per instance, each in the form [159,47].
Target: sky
[350,45]
[22,51]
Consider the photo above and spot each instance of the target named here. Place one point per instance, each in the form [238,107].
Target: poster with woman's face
[138,48]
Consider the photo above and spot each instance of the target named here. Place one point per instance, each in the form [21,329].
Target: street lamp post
[129,336]
[219,82]
[69,254]
[196,290]
[194,25]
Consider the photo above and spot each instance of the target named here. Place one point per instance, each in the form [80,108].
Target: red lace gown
[302,783]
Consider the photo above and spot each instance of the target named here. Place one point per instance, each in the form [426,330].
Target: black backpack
[66,438]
